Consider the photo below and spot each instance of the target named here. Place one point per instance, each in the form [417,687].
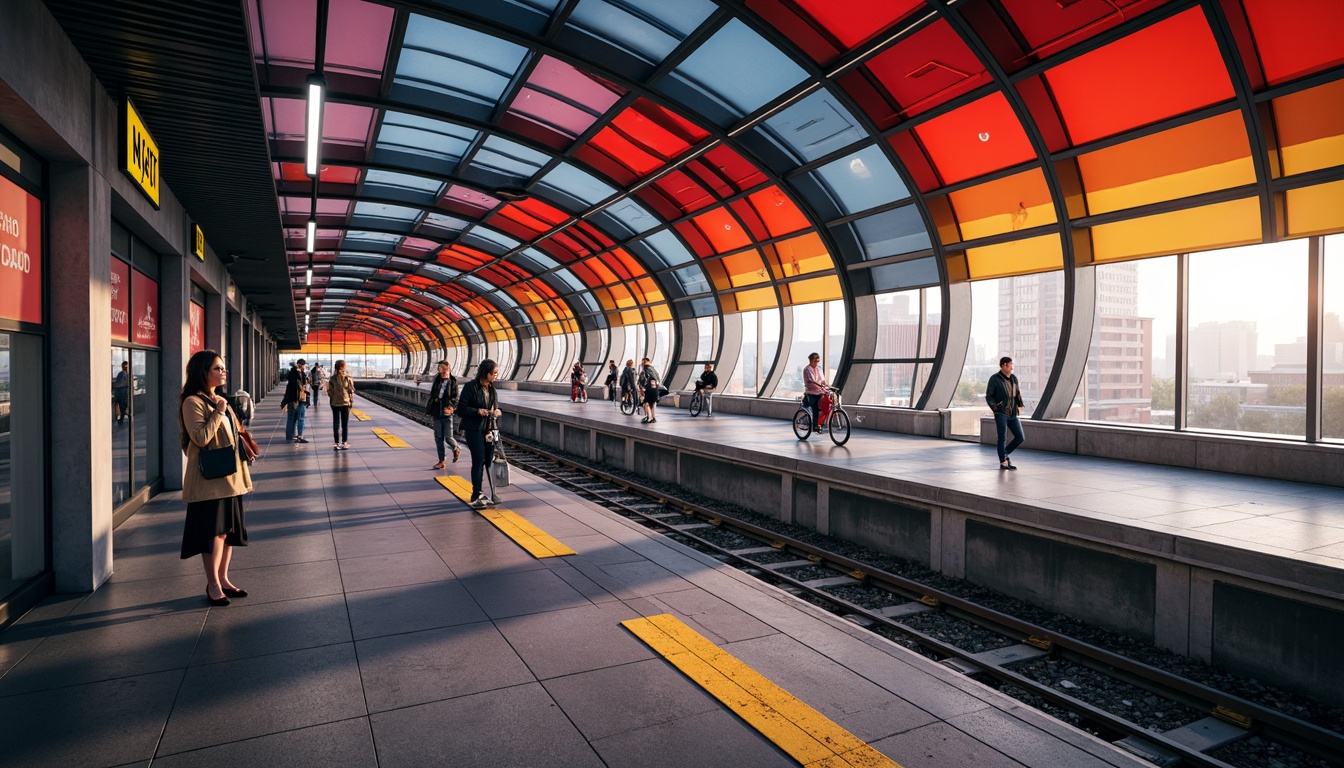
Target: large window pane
[745,379]
[809,327]
[768,320]
[662,346]
[1248,328]
[835,335]
[145,416]
[122,389]
[1332,336]
[22,472]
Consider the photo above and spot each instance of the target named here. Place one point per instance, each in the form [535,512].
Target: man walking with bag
[442,400]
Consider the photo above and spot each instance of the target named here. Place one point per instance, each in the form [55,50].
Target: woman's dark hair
[483,371]
[340,366]
[198,373]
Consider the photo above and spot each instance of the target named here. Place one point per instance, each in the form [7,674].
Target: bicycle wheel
[802,423]
[838,426]
[627,405]
[697,404]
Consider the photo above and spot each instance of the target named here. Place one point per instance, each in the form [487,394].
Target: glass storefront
[135,438]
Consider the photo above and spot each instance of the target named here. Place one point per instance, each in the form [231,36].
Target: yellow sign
[198,242]
[139,153]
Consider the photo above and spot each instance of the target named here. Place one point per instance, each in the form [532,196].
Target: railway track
[1002,649]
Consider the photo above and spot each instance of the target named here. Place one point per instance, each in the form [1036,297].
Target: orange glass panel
[745,268]
[1298,38]
[1020,257]
[631,317]
[1167,69]
[799,256]
[980,137]
[1020,201]
[1311,127]
[604,274]
[778,212]
[723,231]
[814,290]
[1317,210]
[1200,157]
[758,298]
[657,313]
[1214,226]
[649,289]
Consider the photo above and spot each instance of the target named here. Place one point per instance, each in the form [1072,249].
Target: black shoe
[223,601]
[300,440]
[1010,465]
[1005,465]
[235,592]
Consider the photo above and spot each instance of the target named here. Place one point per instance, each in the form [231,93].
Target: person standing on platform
[705,385]
[216,521]
[442,401]
[478,408]
[814,386]
[296,401]
[612,377]
[1005,399]
[318,377]
[628,381]
[649,383]
[121,388]
[340,396]
[576,381]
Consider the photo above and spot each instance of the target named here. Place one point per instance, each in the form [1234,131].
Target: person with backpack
[478,408]
[576,381]
[340,396]
[295,401]
[443,394]
[628,381]
[650,383]
[318,376]
[612,376]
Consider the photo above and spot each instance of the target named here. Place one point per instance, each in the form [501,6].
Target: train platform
[388,624]
[1216,566]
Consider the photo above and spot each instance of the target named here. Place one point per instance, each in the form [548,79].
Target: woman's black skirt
[207,520]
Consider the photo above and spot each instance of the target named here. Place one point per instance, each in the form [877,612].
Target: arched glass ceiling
[537,167]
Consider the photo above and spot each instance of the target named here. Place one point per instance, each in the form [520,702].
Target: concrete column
[174,303]
[236,377]
[215,307]
[81,339]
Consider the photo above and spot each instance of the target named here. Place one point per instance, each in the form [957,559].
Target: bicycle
[831,414]
[628,403]
[578,393]
[699,401]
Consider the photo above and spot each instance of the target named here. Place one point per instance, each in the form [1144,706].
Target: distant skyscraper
[1219,350]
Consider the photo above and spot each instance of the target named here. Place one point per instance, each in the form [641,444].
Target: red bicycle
[830,414]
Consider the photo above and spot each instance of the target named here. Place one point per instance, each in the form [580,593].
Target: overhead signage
[198,242]
[20,254]
[121,300]
[196,324]
[139,153]
[144,309]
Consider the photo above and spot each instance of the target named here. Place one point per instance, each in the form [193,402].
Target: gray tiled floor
[389,625]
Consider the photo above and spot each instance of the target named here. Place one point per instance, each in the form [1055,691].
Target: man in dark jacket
[705,385]
[295,401]
[1005,399]
[628,380]
[442,400]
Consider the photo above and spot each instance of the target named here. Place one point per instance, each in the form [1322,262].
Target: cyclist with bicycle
[628,383]
[705,386]
[814,386]
[577,379]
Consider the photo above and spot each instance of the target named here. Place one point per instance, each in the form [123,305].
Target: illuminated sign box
[139,153]
[198,242]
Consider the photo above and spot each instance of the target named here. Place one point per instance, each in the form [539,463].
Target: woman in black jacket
[478,408]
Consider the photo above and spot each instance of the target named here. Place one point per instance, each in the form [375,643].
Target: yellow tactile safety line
[392,440]
[808,736]
[359,415]
[537,542]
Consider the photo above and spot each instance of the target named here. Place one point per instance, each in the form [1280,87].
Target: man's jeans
[1003,422]
[294,414]
[443,432]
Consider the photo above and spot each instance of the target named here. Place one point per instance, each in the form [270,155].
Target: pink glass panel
[558,77]
[285,119]
[552,111]
[471,197]
[346,123]
[289,29]
[357,35]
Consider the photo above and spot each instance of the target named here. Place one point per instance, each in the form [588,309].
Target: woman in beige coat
[340,394]
[215,519]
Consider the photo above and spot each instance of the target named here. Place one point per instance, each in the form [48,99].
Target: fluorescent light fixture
[312,234]
[310,276]
[305,319]
[307,303]
[316,86]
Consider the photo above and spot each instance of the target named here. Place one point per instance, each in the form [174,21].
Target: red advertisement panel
[144,310]
[121,300]
[20,254]
[196,321]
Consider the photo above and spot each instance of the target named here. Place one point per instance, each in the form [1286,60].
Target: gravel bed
[809,572]
[1255,752]
[958,632]
[765,558]
[1319,713]
[904,641]
[1119,698]
[725,539]
[871,598]
[1036,702]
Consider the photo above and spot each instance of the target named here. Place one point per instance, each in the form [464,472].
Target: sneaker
[494,498]
[336,447]
[479,503]
[300,440]
[345,446]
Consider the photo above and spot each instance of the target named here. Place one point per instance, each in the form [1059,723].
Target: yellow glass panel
[658,312]
[800,256]
[1317,210]
[1204,156]
[1020,257]
[745,268]
[1020,201]
[814,290]
[759,298]
[1214,226]
[650,290]
[1311,128]
[631,317]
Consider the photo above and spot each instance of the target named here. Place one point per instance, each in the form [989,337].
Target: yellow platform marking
[806,735]
[359,415]
[537,542]
[391,439]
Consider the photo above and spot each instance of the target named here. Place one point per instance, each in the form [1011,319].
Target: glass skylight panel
[423,136]
[650,29]
[359,258]
[569,279]
[740,68]
[815,126]
[444,222]
[633,215]
[587,299]
[493,236]
[703,307]
[892,233]
[456,61]
[509,158]
[692,280]
[397,213]
[389,179]
[907,274]
[863,180]
[668,248]
[476,284]
[443,273]
[535,260]
[570,181]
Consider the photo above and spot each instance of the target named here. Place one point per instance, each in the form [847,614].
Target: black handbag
[220,462]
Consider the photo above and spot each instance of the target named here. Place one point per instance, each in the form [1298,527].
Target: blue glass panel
[892,233]
[692,280]
[634,216]
[586,299]
[863,180]
[423,136]
[476,284]
[443,273]
[535,260]
[816,126]
[370,241]
[359,259]
[498,238]
[740,68]
[457,61]
[447,223]
[650,29]
[570,181]
[527,15]
[907,274]
[375,178]
[381,211]
[509,158]
[668,248]
[569,279]
[703,307]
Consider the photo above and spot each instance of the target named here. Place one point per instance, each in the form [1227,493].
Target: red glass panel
[747,214]
[798,28]
[625,265]
[540,210]
[915,161]
[857,20]
[630,155]
[694,238]
[778,212]
[463,258]
[657,130]
[1298,38]
[723,232]
[683,192]
[416,245]
[981,137]
[931,67]
[726,172]
[1050,27]
[519,222]
[1167,69]
[357,35]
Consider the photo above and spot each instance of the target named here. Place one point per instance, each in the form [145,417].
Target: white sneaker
[479,503]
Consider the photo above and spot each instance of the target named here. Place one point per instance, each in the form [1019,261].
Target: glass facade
[135,402]
[23,526]
[1332,339]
